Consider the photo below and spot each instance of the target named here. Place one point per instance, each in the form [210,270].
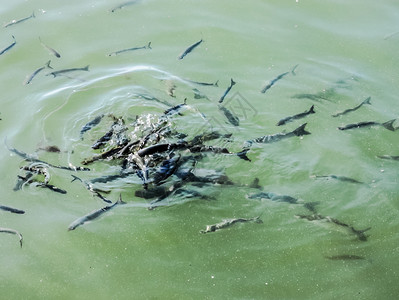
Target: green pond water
[345,51]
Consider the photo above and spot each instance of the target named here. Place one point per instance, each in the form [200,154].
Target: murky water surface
[343,52]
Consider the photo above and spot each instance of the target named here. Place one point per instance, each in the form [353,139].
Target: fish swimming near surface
[4,50]
[273,81]
[233,120]
[232,82]
[123,5]
[189,49]
[175,109]
[317,217]
[388,125]
[166,169]
[297,116]
[94,214]
[300,131]
[29,79]
[345,257]
[62,72]
[339,178]
[392,157]
[12,231]
[148,46]
[228,222]
[366,101]
[274,197]
[91,124]
[204,83]
[14,22]
[92,189]
[12,209]
[51,50]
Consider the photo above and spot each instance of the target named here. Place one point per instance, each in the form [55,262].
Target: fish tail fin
[33,14]
[120,201]
[389,125]
[149,46]
[75,178]
[232,82]
[47,65]
[367,101]
[243,154]
[216,83]
[86,68]
[300,131]
[311,110]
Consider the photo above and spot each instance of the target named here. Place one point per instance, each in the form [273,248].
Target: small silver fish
[51,50]
[366,101]
[273,81]
[61,72]
[94,214]
[189,49]
[14,22]
[29,79]
[229,222]
[148,46]
[232,82]
[4,50]
[120,6]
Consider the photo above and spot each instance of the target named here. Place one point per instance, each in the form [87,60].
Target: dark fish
[366,101]
[94,214]
[8,47]
[159,148]
[91,124]
[189,49]
[300,131]
[12,209]
[51,50]
[166,169]
[340,178]
[14,22]
[295,117]
[148,46]
[272,82]
[120,6]
[234,120]
[204,83]
[393,157]
[228,222]
[274,197]
[232,82]
[175,109]
[29,79]
[61,72]
[388,125]
[12,231]
[345,257]
[51,187]
[53,149]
